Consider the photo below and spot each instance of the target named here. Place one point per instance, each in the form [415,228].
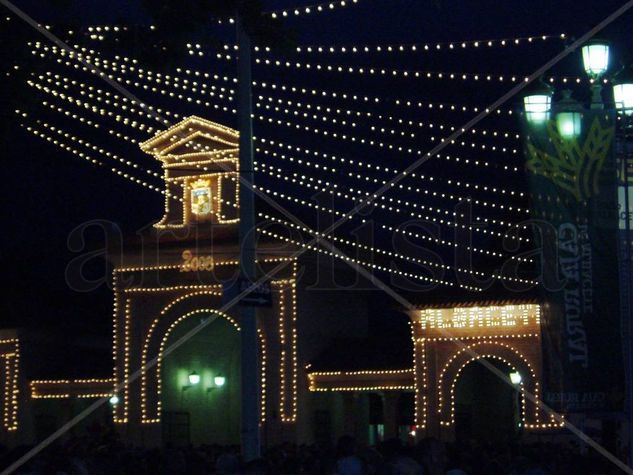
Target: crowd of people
[86,456]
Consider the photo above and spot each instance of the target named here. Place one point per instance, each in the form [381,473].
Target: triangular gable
[204,134]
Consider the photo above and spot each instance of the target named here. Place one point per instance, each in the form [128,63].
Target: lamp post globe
[623,91]
[568,116]
[194,378]
[595,58]
[537,103]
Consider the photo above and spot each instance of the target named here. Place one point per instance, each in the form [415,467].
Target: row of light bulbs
[157,78]
[405,48]
[59,143]
[400,186]
[184,83]
[365,196]
[373,128]
[375,71]
[369,265]
[381,118]
[99,110]
[341,214]
[395,172]
[392,131]
[457,159]
[442,220]
[391,229]
[372,249]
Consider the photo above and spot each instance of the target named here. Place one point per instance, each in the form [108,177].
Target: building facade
[175,339]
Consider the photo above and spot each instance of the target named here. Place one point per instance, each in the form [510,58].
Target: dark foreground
[104,454]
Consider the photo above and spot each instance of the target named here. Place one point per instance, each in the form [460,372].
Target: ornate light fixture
[568,116]
[194,378]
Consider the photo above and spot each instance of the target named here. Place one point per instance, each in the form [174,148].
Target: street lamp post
[248,315]
[623,100]
[568,119]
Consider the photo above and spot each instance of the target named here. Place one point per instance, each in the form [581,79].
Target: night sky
[47,193]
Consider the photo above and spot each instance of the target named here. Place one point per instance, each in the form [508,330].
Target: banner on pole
[572,174]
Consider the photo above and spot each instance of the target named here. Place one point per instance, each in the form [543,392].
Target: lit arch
[492,350]
[148,339]
[469,349]
[151,381]
[458,374]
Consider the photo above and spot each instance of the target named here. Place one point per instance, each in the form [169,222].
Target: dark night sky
[47,193]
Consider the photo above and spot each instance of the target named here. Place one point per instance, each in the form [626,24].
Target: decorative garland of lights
[354,244]
[362,140]
[308,128]
[409,188]
[86,105]
[448,243]
[96,94]
[129,82]
[487,252]
[425,47]
[475,186]
[95,148]
[378,167]
[85,156]
[288,177]
[371,115]
[502,277]
[157,77]
[315,8]
[367,264]
[312,92]
[375,71]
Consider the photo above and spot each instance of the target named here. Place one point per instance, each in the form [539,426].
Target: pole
[248,316]
[626,253]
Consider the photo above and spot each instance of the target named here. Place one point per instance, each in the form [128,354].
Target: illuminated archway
[192,304]
[447,339]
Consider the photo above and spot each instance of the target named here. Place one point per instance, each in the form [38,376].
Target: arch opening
[200,390]
[486,406]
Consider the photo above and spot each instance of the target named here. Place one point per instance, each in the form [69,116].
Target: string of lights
[414,190]
[404,73]
[372,249]
[304,181]
[309,204]
[378,117]
[183,83]
[38,133]
[448,157]
[281,175]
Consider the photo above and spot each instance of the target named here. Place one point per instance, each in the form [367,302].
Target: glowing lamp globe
[623,91]
[623,97]
[219,381]
[114,400]
[568,117]
[515,378]
[537,107]
[595,58]
[194,378]
[569,124]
